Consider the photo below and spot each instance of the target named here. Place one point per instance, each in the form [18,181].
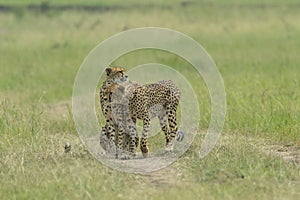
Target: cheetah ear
[108,70]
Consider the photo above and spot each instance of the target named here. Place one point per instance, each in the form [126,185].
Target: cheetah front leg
[133,139]
[146,128]
[119,123]
[119,142]
[111,134]
[104,141]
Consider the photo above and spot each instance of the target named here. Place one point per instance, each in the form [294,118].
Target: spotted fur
[112,131]
[160,100]
[123,102]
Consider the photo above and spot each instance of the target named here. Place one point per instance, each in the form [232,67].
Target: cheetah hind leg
[172,121]
[133,141]
[164,127]
[144,139]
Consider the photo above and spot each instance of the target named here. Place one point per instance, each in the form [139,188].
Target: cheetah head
[116,74]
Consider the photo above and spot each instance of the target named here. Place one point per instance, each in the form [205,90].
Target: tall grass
[255,46]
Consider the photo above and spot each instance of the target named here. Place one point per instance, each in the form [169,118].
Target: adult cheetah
[123,102]
[160,100]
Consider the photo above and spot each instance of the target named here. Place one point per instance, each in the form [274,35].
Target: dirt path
[288,153]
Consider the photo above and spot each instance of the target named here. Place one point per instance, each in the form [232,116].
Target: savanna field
[255,45]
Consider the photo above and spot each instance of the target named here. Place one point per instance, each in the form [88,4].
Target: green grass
[256,50]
